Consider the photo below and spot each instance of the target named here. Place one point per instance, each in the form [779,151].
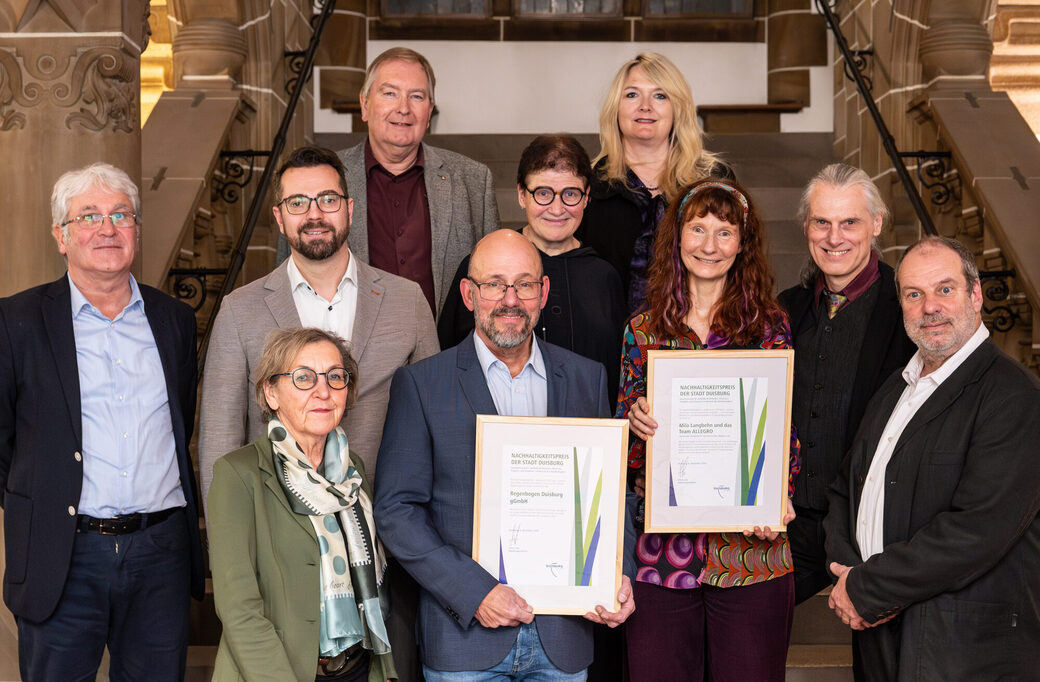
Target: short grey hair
[969,268]
[403,54]
[839,176]
[82,180]
[844,176]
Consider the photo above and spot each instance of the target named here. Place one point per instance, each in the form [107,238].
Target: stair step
[815,623]
[819,663]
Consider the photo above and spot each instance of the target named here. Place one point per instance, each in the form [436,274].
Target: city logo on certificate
[550,522]
[718,436]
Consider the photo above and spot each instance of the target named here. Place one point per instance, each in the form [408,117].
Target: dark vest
[824,371]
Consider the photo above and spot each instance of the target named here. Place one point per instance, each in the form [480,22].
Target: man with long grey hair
[97,405]
[848,333]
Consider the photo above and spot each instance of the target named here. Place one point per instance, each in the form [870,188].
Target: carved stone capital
[207,52]
[955,47]
[94,87]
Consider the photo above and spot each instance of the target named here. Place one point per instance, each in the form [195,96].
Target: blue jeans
[131,592]
[526,661]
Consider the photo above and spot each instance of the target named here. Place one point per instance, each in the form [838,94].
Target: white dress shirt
[335,316]
[526,394]
[870,519]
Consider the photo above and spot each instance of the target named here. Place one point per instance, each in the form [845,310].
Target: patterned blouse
[685,560]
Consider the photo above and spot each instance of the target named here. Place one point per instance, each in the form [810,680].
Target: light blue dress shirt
[526,394]
[129,453]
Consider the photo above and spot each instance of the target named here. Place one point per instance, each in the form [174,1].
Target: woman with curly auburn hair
[710,287]
[651,147]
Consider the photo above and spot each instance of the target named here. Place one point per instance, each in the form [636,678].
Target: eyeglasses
[496,291]
[543,196]
[298,204]
[94,220]
[305,378]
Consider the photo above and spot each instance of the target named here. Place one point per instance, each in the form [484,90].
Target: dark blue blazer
[424,501]
[41,435]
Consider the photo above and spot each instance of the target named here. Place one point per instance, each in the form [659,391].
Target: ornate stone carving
[953,47]
[98,84]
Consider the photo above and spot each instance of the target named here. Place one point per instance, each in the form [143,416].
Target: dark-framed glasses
[496,291]
[305,378]
[543,196]
[298,204]
[95,220]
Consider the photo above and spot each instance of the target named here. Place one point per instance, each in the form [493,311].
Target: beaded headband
[737,194]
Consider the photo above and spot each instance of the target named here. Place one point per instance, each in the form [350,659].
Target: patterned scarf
[351,559]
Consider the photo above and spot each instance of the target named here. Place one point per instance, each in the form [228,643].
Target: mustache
[316,223]
[509,310]
[933,318]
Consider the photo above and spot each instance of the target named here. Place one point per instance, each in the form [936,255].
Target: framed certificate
[549,509]
[719,458]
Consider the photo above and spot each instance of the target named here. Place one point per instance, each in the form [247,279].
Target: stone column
[796,39]
[955,50]
[69,96]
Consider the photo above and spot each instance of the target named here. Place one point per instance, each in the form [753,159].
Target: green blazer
[264,561]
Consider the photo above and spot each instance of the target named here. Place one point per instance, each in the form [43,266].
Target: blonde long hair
[688,160]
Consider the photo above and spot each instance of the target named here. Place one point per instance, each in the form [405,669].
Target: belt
[348,659]
[121,525]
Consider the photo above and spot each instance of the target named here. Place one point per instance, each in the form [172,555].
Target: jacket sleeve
[225,397]
[995,501]
[491,220]
[8,398]
[251,637]
[404,481]
[456,321]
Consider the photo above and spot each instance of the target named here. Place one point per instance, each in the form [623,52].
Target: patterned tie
[835,302]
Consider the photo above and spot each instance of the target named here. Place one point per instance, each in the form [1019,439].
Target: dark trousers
[721,634]
[404,608]
[130,592]
[806,536]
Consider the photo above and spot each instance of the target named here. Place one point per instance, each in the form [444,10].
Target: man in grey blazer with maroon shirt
[385,318]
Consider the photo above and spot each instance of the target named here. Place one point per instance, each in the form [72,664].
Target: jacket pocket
[969,640]
[17,526]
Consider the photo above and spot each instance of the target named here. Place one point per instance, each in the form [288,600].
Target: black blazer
[885,349]
[41,470]
[961,563]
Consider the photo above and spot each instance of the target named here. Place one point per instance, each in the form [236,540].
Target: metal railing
[854,63]
[257,206]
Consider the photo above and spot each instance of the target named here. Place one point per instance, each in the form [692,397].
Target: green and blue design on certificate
[549,508]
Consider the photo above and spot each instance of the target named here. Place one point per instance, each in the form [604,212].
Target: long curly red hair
[747,310]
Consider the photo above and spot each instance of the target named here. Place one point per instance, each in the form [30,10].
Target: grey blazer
[424,502]
[392,327]
[462,209]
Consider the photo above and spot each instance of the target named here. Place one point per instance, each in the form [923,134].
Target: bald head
[504,249]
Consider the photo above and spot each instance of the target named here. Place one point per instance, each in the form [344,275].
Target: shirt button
[125,435]
[402,261]
[827,329]
[72,510]
[120,398]
[817,387]
[78,457]
[119,362]
[124,474]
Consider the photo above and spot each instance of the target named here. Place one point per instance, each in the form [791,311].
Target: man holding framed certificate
[468,620]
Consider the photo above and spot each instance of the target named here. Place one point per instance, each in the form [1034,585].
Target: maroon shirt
[399,234]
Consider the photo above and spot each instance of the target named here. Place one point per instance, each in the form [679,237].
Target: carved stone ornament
[97,84]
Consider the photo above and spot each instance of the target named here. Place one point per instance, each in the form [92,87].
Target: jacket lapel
[57,320]
[438,181]
[369,297]
[556,378]
[279,298]
[471,378]
[265,462]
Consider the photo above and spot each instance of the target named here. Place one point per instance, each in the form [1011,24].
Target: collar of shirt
[858,286]
[912,372]
[296,279]
[371,163]
[488,360]
[79,301]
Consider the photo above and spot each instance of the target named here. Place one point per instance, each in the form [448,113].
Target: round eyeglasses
[298,204]
[543,196]
[496,291]
[305,378]
[95,220]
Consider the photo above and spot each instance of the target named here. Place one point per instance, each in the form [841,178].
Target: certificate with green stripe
[548,516]
[719,459]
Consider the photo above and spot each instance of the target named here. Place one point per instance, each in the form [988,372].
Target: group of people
[337,421]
